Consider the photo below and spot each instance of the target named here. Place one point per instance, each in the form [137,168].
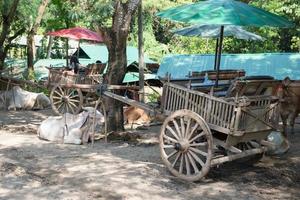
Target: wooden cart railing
[233,116]
[68,77]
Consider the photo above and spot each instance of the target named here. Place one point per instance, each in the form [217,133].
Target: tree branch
[12,11]
[105,33]
[15,35]
[6,21]
[40,15]
[132,7]
[117,16]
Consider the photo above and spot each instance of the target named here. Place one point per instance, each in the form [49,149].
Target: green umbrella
[224,12]
[213,31]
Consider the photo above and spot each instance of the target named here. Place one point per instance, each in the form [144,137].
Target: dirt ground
[34,169]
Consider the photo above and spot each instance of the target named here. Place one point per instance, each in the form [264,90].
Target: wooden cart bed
[233,116]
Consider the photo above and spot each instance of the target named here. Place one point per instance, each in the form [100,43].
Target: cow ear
[286,81]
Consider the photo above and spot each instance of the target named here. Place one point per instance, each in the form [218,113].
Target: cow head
[98,115]
[286,81]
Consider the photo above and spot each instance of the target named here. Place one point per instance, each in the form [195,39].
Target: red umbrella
[77,33]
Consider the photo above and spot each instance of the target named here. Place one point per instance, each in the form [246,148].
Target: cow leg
[73,137]
[292,123]
[284,124]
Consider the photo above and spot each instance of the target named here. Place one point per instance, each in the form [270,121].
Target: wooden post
[67,52]
[141,52]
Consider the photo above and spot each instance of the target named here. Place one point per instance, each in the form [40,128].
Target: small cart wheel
[99,124]
[66,100]
[186,145]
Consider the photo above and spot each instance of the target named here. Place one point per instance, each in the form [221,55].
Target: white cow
[17,98]
[69,128]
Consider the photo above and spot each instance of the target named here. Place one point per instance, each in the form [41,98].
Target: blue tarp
[278,65]
[100,52]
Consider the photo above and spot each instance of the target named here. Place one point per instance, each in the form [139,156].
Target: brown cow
[290,102]
[136,115]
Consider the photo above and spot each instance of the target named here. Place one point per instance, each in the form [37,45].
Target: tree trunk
[116,42]
[2,58]
[117,66]
[7,19]
[49,47]
[31,33]
[30,51]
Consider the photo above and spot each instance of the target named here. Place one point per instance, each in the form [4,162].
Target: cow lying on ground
[17,98]
[134,115]
[290,102]
[69,128]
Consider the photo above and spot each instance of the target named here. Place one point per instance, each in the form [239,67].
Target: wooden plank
[171,98]
[167,105]
[226,116]
[211,114]
[223,144]
[243,154]
[200,93]
[21,82]
[163,97]
[221,115]
[131,102]
[208,110]
[217,113]
[237,118]
[187,100]
[176,99]
[201,106]
[179,99]
[219,128]
[195,101]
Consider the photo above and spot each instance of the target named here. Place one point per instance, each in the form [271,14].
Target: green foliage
[153,97]
[63,14]
[101,12]
[158,38]
[276,40]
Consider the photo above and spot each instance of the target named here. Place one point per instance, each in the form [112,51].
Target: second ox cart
[201,131]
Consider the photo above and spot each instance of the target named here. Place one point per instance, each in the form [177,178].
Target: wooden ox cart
[70,92]
[201,131]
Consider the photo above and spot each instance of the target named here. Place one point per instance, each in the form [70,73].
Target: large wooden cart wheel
[186,145]
[99,125]
[66,100]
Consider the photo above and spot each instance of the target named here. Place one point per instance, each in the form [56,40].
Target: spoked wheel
[66,100]
[99,122]
[186,145]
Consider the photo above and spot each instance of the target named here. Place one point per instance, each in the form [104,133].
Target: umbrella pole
[78,49]
[219,54]
[216,54]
